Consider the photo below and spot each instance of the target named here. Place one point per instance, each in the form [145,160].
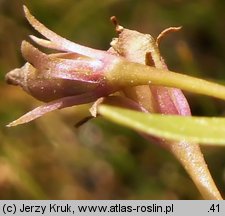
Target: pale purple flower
[74,75]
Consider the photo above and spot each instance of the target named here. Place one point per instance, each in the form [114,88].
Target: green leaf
[204,130]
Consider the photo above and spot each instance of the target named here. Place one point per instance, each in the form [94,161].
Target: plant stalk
[126,74]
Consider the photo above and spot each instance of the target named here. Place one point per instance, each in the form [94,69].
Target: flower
[73,76]
[78,74]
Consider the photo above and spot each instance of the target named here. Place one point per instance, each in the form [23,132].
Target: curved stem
[126,74]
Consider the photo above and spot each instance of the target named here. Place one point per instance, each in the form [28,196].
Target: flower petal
[50,45]
[51,106]
[170,101]
[52,67]
[62,43]
[45,43]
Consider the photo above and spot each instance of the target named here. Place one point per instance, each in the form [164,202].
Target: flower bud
[72,76]
[49,81]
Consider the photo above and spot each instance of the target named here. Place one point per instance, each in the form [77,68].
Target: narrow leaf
[203,130]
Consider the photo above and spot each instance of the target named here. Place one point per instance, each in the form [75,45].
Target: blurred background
[50,158]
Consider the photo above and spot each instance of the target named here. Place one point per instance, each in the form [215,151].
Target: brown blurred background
[52,159]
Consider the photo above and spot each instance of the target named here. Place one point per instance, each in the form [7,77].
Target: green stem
[126,74]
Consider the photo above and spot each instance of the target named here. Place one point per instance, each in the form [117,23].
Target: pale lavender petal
[51,45]
[180,102]
[73,69]
[61,42]
[45,43]
[171,101]
[51,106]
